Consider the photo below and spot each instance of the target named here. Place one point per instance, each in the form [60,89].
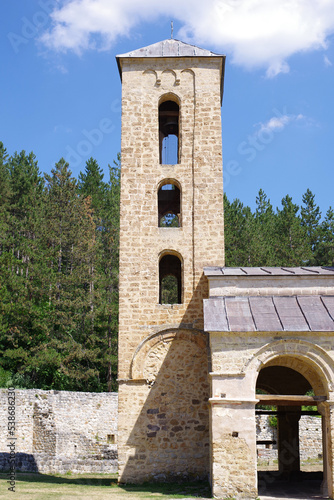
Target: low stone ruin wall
[265,432]
[59,431]
[310,437]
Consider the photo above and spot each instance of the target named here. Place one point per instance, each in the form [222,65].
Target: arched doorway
[288,388]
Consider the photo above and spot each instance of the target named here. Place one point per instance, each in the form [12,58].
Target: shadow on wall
[169,439]
[24,462]
[193,316]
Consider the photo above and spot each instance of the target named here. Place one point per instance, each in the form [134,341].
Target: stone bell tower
[171,228]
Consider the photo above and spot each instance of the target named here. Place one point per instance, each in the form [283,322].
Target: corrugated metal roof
[268,271]
[268,314]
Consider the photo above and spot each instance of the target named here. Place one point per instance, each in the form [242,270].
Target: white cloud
[327,61]
[278,123]
[257,33]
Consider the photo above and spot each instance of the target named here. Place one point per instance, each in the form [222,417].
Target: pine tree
[239,225]
[105,202]
[292,247]
[19,304]
[59,294]
[4,194]
[264,237]
[325,254]
[310,220]
[4,214]
[91,184]
[69,242]
[26,184]
[109,232]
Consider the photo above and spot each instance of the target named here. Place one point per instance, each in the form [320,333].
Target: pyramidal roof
[170,48]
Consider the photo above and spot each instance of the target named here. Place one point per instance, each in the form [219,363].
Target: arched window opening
[170,289]
[169,133]
[169,206]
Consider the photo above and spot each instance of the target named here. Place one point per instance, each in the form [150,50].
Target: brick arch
[168,180]
[188,70]
[169,96]
[158,76]
[151,72]
[174,73]
[306,358]
[160,341]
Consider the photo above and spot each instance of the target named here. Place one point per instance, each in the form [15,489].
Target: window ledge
[170,306]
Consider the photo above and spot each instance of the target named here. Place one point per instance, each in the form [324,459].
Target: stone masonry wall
[310,437]
[265,432]
[167,428]
[58,431]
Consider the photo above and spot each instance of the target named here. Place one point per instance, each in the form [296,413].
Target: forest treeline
[59,241]
[287,236]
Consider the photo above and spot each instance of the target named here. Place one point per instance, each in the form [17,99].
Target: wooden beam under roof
[287,400]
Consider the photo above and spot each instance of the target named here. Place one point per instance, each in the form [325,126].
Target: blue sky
[60,89]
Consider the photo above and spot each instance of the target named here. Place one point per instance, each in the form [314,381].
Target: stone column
[233,448]
[288,439]
[324,416]
[326,409]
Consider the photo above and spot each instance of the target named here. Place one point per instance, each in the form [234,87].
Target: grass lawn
[31,486]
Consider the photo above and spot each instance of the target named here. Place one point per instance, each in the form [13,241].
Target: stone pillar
[324,416]
[233,448]
[288,439]
[326,409]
